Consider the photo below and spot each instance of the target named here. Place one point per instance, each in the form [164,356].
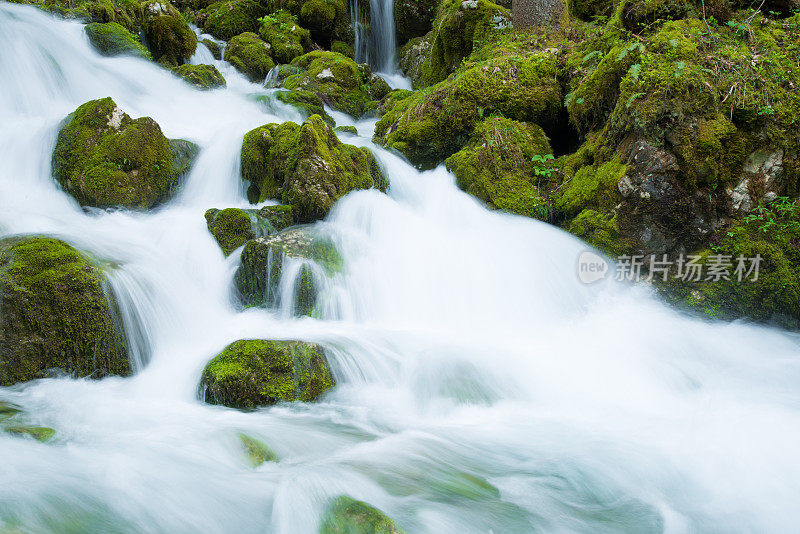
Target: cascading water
[375,40]
[481,386]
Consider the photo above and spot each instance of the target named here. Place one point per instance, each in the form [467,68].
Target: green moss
[167,34]
[124,12]
[284,34]
[496,166]
[306,166]
[413,18]
[104,158]
[352,130]
[309,103]
[112,39]
[201,76]
[519,81]
[233,227]
[250,55]
[327,20]
[589,9]
[262,263]
[341,47]
[253,373]
[338,81]
[346,515]
[591,187]
[600,231]
[256,451]
[225,20]
[456,30]
[213,47]
[39,433]
[58,313]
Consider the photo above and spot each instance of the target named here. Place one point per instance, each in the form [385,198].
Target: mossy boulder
[284,34]
[305,166]
[327,20]
[253,373]
[124,12]
[105,158]
[412,56]
[167,35]
[250,55]
[233,227]
[413,18]
[225,20]
[505,164]
[112,39]
[307,102]
[432,124]
[201,76]
[460,26]
[213,47]
[589,9]
[57,313]
[299,253]
[346,515]
[339,81]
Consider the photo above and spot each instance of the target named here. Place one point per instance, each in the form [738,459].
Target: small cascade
[375,38]
[361,29]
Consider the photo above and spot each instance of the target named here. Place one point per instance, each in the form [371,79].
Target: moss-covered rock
[284,34]
[346,515]
[413,18]
[412,56]
[339,81]
[213,47]
[124,12]
[520,82]
[233,227]
[250,55]
[460,26]
[341,47]
[305,166]
[254,373]
[104,158]
[307,102]
[297,252]
[57,313]
[327,20]
[225,20]
[167,34]
[256,451]
[352,130]
[201,76]
[589,9]
[506,164]
[112,39]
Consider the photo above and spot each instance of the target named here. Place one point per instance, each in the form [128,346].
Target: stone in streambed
[233,227]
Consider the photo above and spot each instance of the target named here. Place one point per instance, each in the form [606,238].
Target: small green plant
[542,166]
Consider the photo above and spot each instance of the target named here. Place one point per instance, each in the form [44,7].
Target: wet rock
[201,76]
[346,514]
[112,39]
[167,35]
[254,373]
[233,227]
[104,158]
[58,314]
[250,55]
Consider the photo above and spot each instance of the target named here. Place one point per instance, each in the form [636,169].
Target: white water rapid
[465,350]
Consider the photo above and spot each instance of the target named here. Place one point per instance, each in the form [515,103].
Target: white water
[464,344]
[375,41]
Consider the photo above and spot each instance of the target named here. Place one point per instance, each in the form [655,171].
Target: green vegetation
[201,76]
[250,55]
[233,227]
[225,20]
[112,39]
[104,158]
[254,373]
[346,515]
[256,451]
[168,36]
[305,166]
[58,313]
[284,34]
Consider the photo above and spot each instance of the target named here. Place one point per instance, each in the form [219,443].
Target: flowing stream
[481,386]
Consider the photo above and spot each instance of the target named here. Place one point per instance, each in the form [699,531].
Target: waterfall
[481,387]
[375,41]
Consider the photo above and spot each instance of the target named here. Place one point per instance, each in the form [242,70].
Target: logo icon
[591,267]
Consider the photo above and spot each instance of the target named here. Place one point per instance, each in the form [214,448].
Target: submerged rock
[307,102]
[57,314]
[213,47]
[256,451]
[254,373]
[233,227]
[339,81]
[346,515]
[104,158]
[201,76]
[167,34]
[250,55]
[112,39]
[265,261]
[306,166]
